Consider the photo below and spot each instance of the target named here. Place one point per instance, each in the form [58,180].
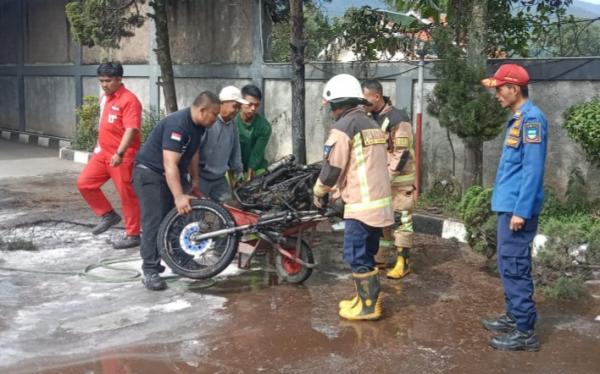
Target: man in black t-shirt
[170,152]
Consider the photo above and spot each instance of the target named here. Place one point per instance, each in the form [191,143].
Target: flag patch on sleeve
[533,132]
[176,136]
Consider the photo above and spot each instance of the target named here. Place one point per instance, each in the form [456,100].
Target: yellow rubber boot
[351,302]
[368,303]
[402,267]
[348,303]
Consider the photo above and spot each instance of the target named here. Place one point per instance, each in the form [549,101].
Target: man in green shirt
[254,131]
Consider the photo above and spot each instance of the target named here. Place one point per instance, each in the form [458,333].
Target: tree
[463,106]
[318,32]
[373,35]
[106,22]
[513,25]
[298,89]
[462,43]
[476,62]
[163,54]
[570,37]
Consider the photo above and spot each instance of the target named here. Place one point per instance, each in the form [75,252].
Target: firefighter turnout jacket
[401,157]
[355,162]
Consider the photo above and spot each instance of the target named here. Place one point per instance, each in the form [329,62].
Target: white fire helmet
[341,88]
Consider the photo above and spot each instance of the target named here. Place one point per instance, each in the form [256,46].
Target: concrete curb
[73,155]
[431,225]
[34,139]
[451,229]
[438,226]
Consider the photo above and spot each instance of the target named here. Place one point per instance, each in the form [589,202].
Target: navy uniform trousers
[361,243]
[514,266]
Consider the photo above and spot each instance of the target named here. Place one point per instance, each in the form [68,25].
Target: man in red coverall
[114,156]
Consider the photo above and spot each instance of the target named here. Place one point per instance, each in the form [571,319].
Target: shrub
[150,117]
[563,236]
[582,126]
[553,206]
[480,221]
[560,269]
[86,132]
[593,250]
[565,288]
[441,198]
[576,196]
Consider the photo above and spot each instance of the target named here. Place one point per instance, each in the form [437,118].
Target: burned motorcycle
[273,211]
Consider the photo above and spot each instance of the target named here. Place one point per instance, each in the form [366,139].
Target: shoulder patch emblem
[373,136]
[533,132]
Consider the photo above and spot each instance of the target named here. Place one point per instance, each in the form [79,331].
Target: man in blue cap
[517,199]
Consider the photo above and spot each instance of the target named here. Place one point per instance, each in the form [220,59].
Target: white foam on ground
[171,307]
[109,321]
[62,316]
[10,214]
[230,271]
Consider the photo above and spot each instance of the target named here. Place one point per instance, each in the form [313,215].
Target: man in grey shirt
[220,149]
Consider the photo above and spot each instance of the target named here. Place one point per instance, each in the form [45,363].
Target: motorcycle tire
[193,259]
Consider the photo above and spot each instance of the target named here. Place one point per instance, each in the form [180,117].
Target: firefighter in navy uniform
[517,199]
[356,164]
[395,244]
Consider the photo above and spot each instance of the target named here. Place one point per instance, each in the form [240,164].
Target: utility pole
[419,129]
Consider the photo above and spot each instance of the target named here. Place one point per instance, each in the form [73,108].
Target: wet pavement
[249,321]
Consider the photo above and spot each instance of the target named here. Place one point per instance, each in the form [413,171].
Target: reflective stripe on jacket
[356,163]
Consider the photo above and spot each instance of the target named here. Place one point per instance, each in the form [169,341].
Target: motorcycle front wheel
[197,259]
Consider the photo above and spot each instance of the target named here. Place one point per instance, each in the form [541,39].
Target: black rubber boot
[154,282]
[516,341]
[109,219]
[503,323]
[127,241]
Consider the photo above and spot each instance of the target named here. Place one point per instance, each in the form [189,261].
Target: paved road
[24,160]
[247,321]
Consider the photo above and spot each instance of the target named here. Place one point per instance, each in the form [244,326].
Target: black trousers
[156,201]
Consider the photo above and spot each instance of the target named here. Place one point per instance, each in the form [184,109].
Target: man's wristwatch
[120,153]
